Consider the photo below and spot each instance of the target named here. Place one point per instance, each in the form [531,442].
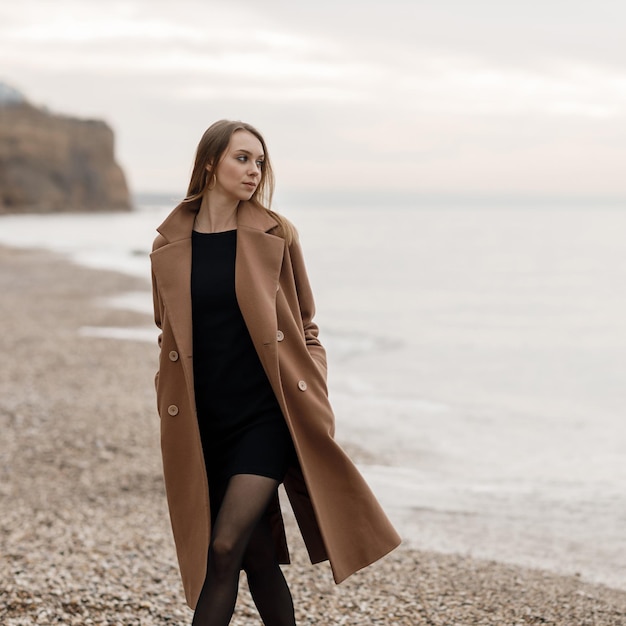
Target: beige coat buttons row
[280,335]
[172,409]
[173,355]
[301,385]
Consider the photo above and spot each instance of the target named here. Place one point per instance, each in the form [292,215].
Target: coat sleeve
[307,305]
[157,303]
[156,296]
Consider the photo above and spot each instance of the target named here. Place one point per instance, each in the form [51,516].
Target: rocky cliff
[55,163]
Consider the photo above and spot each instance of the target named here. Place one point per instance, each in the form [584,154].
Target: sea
[477,359]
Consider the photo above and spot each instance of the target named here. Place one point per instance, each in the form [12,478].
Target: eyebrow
[261,156]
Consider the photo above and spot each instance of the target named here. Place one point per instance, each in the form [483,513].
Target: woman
[241,391]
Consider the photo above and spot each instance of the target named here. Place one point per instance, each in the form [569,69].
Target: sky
[480,99]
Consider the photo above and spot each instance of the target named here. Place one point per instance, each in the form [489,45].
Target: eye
[260,163]
[242,158]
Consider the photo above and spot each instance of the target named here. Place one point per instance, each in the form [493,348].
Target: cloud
[356,93]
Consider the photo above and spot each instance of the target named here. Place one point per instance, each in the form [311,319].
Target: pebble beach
[84,529]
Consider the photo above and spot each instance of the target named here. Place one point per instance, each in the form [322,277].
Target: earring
[212,184]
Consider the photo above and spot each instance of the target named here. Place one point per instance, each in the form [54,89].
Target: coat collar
[179,223]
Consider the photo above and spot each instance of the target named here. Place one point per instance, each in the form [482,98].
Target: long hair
[211,149]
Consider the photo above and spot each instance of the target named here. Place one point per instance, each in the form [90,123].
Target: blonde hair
[211,148]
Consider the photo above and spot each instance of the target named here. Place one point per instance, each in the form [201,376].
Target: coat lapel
[257,271]
[171,265]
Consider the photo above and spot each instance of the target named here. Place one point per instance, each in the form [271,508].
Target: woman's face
[239,171]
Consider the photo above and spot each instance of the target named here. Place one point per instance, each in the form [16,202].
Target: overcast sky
[453,97]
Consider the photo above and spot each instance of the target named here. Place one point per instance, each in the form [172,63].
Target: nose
[255,170]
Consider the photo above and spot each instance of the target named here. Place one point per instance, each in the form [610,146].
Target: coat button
[280,335]
[172,409]
[301,385]
[173,355]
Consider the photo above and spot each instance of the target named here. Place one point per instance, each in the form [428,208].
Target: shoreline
[84,531]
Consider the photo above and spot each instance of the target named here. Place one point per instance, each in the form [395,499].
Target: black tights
[242,537]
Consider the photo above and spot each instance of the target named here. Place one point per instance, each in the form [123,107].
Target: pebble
[84,529]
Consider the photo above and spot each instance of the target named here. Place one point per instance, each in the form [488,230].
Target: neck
[216,214]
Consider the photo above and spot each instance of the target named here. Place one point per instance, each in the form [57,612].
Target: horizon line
[306,197]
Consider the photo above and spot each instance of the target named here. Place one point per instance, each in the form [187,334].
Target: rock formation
[54,163]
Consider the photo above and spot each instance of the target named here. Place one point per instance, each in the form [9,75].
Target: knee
[224,557]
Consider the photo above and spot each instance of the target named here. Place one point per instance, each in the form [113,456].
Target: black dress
[241,424]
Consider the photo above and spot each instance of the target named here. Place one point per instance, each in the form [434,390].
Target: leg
[266,581]
[245,501]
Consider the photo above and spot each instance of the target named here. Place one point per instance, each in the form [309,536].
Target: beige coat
[338,515]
